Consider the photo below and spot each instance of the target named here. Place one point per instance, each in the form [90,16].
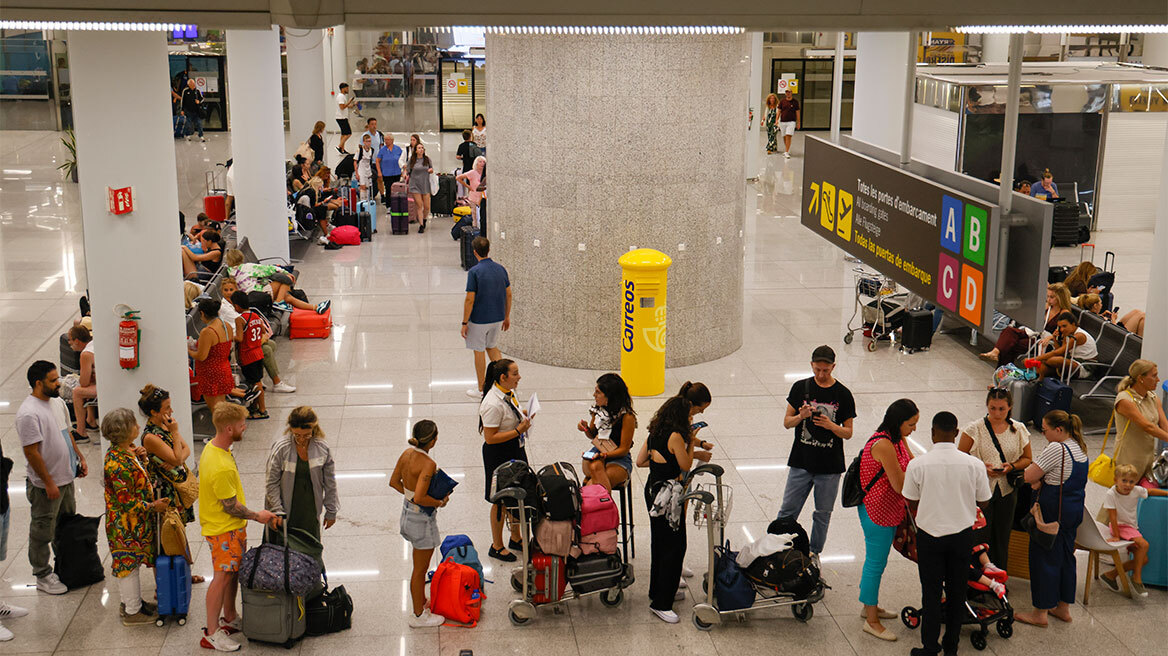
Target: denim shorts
[418,528]
[625,461]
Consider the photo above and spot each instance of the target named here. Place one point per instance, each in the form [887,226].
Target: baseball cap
[823,354]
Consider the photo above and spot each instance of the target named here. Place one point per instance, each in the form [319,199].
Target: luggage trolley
[523,610]
[880,306]
[712,510]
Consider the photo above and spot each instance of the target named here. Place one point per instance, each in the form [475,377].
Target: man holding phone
[821,410]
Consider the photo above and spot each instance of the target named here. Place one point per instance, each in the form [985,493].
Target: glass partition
[26,82]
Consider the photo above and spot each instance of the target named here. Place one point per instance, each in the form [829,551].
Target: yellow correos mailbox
[644,274]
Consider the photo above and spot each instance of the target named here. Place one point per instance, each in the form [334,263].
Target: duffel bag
[275,568]
[560,489]
[789,571]
[329,612]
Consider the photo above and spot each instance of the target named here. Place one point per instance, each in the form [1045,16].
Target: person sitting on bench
[276,280]
[1074,344]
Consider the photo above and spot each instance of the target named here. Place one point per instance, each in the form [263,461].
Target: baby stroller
[983,607]
[712,508]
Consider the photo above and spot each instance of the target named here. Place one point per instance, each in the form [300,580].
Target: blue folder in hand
[441,485]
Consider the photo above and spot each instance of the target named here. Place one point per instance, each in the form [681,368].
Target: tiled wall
[605,143]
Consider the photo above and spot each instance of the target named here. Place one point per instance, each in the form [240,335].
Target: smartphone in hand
[700,424]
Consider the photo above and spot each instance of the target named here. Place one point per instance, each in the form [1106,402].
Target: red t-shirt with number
[254,329]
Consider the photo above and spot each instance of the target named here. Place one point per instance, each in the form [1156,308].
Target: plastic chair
[1090,538]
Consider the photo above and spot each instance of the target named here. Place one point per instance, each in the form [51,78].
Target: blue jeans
[4,533]
[877,544]
[195,123]
[800,483]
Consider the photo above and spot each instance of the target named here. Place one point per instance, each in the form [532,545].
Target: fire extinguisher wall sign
[128,337]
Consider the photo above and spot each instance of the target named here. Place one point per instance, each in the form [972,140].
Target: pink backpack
[602,542]
[598,512]
[345,235]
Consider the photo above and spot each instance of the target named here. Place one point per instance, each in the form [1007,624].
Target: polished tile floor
[395,357]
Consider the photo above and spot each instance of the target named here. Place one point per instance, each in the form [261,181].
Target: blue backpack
[461,550]
[732,590]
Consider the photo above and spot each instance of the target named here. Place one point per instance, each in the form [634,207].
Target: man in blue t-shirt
[388,160]
[487,309]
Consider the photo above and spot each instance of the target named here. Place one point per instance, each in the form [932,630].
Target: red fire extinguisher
[128,336]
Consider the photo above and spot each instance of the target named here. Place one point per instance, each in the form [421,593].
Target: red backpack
[456,594]
[345,235]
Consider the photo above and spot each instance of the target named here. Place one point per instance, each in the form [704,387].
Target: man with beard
[223,516]
[42,423]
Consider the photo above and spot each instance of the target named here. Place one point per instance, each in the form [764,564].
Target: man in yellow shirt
[223,517]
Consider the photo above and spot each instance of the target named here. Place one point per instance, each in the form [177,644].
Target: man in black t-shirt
[790,118]
[821,410]
[467,151]
[192,108]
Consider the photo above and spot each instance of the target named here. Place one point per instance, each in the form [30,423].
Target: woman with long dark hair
[669,453]
[479,132]
[418,183]
[503,424]
[882,464]
[609,462]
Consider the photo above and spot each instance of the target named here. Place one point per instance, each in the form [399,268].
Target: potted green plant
[70,165]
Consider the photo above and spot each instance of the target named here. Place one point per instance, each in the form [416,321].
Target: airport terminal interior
[588,168]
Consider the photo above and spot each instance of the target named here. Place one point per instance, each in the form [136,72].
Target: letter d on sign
[972,288]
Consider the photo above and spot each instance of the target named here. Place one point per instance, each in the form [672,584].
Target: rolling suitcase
[275,616]
[365,225]
[916,334]
[445,196]
[1065,224]
[172,578]
[1053,393]
[466,248]
[306,324]
[215,207]
[370,207]
[344,218]
[595,572]
[549,579]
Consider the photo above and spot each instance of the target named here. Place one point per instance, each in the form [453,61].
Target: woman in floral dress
[770,121]
[129,513]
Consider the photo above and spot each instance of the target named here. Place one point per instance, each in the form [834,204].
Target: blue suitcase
[1052,394]
[1152,516]
[369,206]
[172,577]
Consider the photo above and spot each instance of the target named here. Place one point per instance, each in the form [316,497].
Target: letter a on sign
[951,223]
[827,206]
[843,221]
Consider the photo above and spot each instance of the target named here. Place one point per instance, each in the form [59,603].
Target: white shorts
[787,128]
[483,336]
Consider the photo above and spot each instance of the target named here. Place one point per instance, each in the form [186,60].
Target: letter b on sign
[951,218]
[975,234]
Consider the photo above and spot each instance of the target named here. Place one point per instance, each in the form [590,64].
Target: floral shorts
[227,549]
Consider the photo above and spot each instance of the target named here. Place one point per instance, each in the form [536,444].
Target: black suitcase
[76,561]
[445,196]
[466,249]
[1058,274]
[916,334]
[341,218]
[365,226]
[1065,227]
[595,572]
[399,214]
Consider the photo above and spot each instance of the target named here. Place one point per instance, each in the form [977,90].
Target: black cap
[823,354]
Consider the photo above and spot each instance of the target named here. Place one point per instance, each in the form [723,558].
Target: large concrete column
[995,48]
[878,110]
[1155,50]
[256,105]
[308,96]
[131,259]
[753,133]
[1156,321]
[659,164]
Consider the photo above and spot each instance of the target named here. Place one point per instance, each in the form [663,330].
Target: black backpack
[781,526]
[853,491]
[75,551]
[329,612]
[560,489]
[518,474]
[790,571]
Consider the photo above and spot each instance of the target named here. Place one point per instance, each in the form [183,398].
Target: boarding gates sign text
[932,240]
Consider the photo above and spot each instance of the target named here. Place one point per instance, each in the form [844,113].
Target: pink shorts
[1127,533]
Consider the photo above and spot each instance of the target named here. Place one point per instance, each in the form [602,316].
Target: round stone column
[599,144]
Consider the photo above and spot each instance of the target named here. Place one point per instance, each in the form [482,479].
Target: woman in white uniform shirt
[504,425]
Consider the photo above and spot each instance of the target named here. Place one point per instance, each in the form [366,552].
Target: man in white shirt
[344,102]
[42,424]
[944,487]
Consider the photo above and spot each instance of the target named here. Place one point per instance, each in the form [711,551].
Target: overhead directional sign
[933,240]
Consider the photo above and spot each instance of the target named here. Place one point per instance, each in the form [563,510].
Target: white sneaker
[426,620]
[665,615]
[686,572]
[8,611]
[50,584]
[283,388]
[787,155]
[474,393]
[681,585]
[323,241]
[219,641]
[815,560]
[5,634]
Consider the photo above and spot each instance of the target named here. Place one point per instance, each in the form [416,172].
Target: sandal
[258,415]
[195,578]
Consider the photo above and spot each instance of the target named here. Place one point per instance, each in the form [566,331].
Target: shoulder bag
[853,492]
[1041,532]
[1102,469]
[1015,477]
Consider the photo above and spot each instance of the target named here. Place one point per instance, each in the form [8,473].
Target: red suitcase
[215,207]
[306,324]
[550,579]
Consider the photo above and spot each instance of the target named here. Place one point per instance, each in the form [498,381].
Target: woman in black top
[669,453]
[316,143]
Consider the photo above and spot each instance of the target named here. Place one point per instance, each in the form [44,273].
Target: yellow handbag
[172,534]
[1102,470]
[187,488]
